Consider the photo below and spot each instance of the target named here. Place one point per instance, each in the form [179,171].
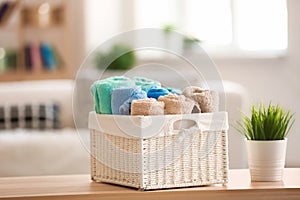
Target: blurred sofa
[25,152]
[64,151]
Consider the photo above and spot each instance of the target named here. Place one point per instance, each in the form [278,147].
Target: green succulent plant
[266,123]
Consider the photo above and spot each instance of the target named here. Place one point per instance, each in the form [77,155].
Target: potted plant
[123,62]
[173,41]
[265,131]
[190,41]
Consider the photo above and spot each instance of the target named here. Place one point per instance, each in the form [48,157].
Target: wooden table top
[81,187]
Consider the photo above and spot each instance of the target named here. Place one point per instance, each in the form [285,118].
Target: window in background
[156,13]
[102,21]
[209,20]
[261,24]
[226,25]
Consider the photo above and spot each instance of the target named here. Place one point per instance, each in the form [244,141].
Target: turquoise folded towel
[95,94]
[174,91]
[136,94]
[118,97]
[146,83]
[155,92]
[101,91]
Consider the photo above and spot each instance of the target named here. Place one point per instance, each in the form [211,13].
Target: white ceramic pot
[266,159]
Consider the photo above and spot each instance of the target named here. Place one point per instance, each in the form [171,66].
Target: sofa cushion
[58,91]
[30,116]
[54,152]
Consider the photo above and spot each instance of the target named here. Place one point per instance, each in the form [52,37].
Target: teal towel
[101,91]
[145,83]
[174,91]
[95,94]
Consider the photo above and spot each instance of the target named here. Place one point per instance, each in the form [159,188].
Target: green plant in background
[168,28]
[266,123]
[8,59]
[189,41]
[114,60]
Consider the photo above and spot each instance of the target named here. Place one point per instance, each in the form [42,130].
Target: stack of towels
[121,95]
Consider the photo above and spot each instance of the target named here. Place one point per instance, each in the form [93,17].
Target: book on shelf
[3,10]
[6,9]
[27,55]
[58,58]
[48,56]
[36,57]
[41,56]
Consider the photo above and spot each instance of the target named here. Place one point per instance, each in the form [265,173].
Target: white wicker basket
[154,152]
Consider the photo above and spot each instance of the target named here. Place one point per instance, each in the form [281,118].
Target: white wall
[77,33]
[102,21]
[276,80]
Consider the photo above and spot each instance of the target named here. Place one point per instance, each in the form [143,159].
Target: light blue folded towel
[101,91]
[136,94]
[118,97]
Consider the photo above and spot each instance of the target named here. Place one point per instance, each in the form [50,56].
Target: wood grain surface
[81,187]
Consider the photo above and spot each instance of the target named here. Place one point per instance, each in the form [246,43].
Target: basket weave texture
[182,159]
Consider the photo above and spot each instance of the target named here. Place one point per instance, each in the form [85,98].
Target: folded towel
[96,96]
[207,100]
[145,83]
[155,92]
[147,106]
[137,93]
[174,91]
[101,91]
[177,104]
[118,97]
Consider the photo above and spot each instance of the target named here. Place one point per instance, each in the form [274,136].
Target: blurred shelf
[38,23]
[8,27]
[43,28]
[22,76]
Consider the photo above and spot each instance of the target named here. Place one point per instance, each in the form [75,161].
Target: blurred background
[254,43]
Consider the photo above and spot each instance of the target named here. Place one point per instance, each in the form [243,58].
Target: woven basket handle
[184,122]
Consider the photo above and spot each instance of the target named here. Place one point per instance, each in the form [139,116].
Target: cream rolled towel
[177,104]
[148,106]
[208,100]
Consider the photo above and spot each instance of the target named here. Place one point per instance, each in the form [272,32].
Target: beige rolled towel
[149,106]
[177,104]
[208,100]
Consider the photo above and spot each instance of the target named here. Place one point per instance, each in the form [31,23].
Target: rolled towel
[177,104]
[96,96]
[118,97]
[101,91]
[136,94]
[147,106]
[155,92]
[146,83]
[207,100]
[174,91]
